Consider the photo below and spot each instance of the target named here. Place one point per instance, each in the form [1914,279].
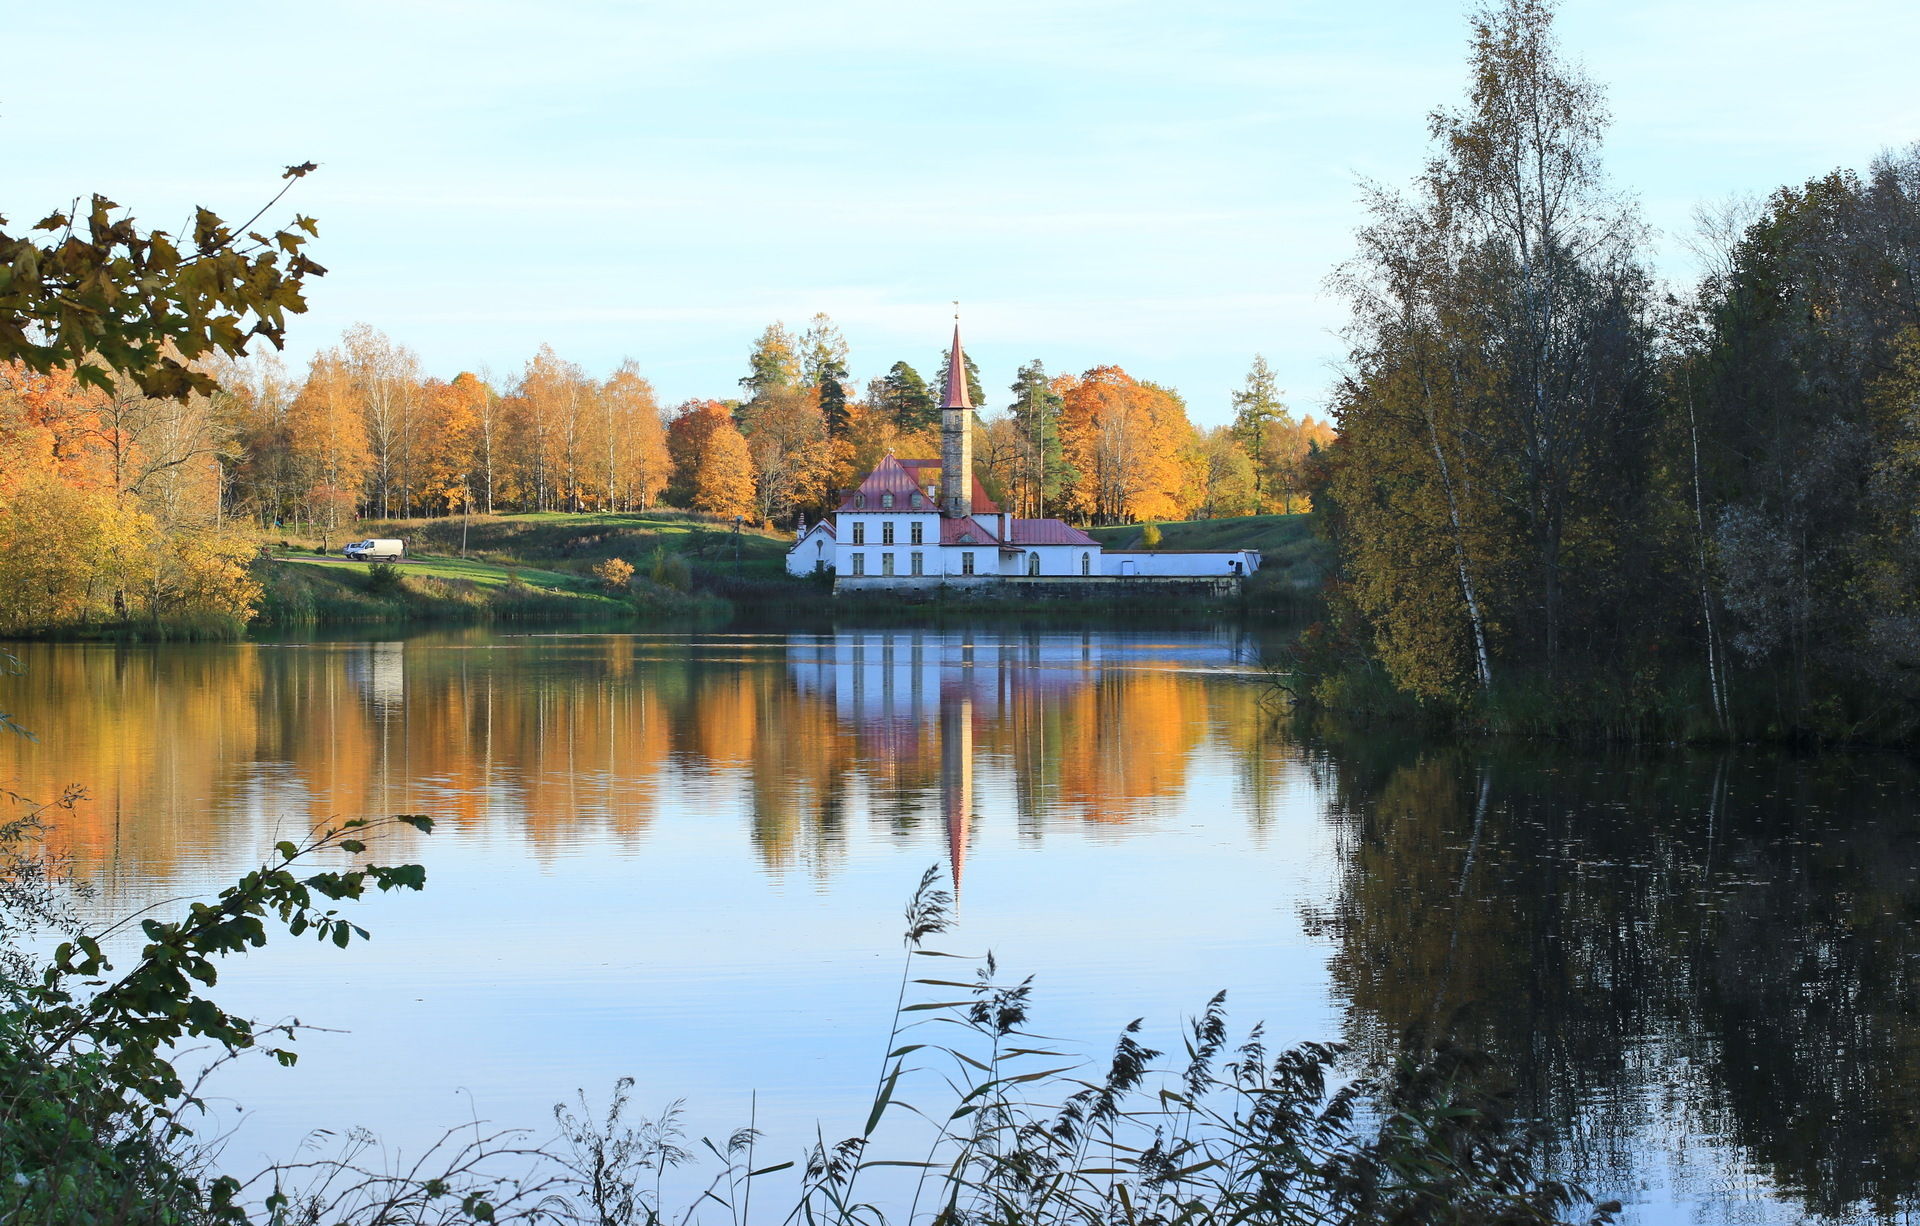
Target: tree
[1043,472]
[637,464]
[792,453]
[1501,403]
[1129,443]
[773,362]
[1263,425]
[724,482]
[97,295]
[902,394]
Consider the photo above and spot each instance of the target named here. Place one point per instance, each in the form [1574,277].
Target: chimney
[956,437]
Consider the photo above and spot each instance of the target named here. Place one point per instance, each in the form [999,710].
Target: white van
[375,551]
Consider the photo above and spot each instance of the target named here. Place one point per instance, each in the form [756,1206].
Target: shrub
[616,573]
[670,570]
[383,579]
[1150,537]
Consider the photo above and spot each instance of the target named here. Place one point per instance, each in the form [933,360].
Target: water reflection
[1702,970]
[1668,950]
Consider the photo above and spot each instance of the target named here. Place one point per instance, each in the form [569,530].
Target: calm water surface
[683,858]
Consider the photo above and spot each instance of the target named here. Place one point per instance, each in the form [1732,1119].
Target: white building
[924,523]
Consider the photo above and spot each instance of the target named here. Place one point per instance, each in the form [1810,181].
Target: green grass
[565,543]
[464,570]
[1291,555]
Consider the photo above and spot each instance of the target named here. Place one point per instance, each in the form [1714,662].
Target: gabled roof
[1047,532]
[888,477]
[817,527]
[927,472]
[951,530]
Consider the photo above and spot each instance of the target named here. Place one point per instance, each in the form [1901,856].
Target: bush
[670,570]
[383,579]
[616,573]
[1150,537]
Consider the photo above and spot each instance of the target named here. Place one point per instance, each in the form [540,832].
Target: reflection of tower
[956,779]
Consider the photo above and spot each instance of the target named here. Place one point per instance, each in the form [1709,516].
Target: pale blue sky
[1160,185]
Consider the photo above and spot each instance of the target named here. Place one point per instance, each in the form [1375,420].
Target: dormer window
[916,499]
[886,501]
[859,500]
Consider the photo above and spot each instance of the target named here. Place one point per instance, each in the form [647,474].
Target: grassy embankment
[541,565]
[538,565]
[1294,561]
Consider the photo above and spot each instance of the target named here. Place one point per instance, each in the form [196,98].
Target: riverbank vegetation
[1568,500]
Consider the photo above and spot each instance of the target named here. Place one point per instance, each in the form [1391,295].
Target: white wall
[1156,562]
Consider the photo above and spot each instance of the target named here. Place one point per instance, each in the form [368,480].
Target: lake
[683,858]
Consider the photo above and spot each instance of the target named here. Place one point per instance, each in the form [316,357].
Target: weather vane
[956,310]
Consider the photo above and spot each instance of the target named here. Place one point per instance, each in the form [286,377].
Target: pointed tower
[956,436]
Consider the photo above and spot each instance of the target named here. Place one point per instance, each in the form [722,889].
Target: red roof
[1047,532]
[951,530]
[927,472]
[889,477]
[956,397]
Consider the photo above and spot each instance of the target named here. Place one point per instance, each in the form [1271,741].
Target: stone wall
[1096,589]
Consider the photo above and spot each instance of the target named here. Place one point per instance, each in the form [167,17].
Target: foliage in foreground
[97,1124]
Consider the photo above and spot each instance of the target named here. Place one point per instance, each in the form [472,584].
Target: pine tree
[904,396]
[1036,410]
[1261,423]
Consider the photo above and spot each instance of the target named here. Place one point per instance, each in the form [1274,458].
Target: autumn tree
[1500,403]
[791,450]
[1129,444]
[724,482]
[633,440]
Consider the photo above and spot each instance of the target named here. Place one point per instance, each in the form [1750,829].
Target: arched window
[886,501]
[1033,563]
[1086,564]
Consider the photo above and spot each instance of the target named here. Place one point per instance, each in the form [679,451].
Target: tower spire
[956,395]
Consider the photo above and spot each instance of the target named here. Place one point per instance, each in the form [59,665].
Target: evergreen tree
[773,363]
[833,405]
[1261,423]
[1036,409]
[905,398]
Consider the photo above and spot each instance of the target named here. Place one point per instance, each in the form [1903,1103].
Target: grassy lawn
[470,570]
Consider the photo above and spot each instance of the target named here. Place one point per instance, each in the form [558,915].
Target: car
[375,551]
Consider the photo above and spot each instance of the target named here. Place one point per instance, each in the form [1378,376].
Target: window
[1033,563]
[918,561]
[859,532]
[1086,564]
[859,563]
[859,500]
[886,564]
[886,500]
[966,563]
[918,532]
[916,499]
[886,531]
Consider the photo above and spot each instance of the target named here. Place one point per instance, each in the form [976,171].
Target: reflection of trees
[202,755]
[1706,946]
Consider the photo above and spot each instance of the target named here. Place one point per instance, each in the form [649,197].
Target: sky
[1163,186]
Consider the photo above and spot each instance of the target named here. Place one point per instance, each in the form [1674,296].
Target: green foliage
[383,579]
[902,394]
[97,295]
[95,1119]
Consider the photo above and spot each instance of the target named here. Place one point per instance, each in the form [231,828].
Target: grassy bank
[314,590]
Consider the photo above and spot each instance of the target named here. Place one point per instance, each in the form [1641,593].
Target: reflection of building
[1050,711]
[927,523]
[378,671]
